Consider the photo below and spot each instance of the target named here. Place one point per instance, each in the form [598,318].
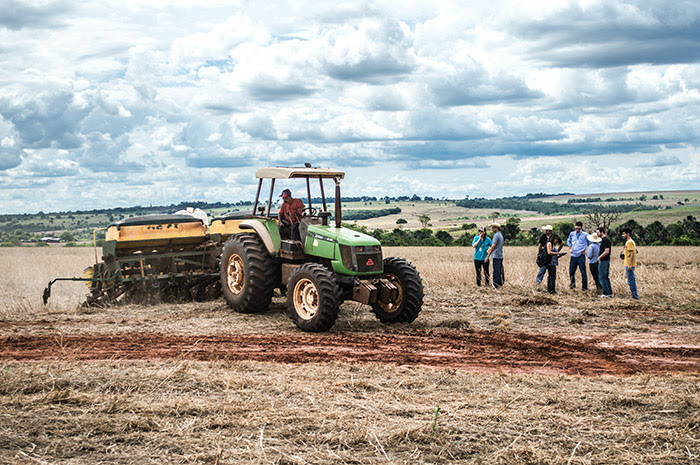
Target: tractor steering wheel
[313,212]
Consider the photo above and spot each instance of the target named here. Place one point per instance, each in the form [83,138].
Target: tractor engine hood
[343,236]
[351,253]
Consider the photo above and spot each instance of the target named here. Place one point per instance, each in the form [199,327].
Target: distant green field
[670,211]
[446,215]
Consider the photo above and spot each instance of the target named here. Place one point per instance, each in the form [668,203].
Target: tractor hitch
[369,291]
[47,292]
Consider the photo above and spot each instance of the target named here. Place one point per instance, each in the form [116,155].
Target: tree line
[681,233]
[354,215]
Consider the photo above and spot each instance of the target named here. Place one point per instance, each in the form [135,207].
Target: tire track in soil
[480,351]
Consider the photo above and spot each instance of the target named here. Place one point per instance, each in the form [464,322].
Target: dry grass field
[668,280]
[178,410]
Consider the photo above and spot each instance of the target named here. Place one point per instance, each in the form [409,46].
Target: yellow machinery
[223,227]
[153,257]
[155,233]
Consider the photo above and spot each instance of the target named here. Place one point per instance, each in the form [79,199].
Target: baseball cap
[286,193]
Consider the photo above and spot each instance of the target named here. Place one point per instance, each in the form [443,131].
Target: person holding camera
[629,255]
[496,252]
[481,244]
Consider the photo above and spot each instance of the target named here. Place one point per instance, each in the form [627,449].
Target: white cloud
[601,174]
[111,106]
[171,96]
[661,160]
[374,51]
[218,43]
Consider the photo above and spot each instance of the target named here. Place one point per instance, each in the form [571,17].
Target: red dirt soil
[481,351]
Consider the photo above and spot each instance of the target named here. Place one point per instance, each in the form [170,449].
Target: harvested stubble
[221,412]
[191,412]
[667,277]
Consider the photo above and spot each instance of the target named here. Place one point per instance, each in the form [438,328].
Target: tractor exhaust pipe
[338,202]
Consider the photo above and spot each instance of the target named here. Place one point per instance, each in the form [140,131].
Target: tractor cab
[264,216]
[311,176]
[293,237]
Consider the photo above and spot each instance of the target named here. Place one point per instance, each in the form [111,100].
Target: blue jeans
[498,275]
[578,263]
[604,276]
[632,281]
[540,274]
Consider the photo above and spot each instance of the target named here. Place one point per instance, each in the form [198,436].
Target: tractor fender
[262,232]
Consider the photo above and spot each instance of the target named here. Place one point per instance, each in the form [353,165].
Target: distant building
[50,239]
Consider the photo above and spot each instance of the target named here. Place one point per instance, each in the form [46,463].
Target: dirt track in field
[464,350]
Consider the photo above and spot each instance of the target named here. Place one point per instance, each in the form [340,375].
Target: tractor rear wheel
[312,297]
[409,301]
[248,274]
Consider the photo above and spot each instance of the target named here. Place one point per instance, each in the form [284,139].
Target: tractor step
[292,250]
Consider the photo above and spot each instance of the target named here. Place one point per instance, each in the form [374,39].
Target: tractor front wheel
[248,274]
[312,296]
[409,300]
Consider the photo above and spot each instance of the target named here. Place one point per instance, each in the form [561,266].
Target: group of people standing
[595,247]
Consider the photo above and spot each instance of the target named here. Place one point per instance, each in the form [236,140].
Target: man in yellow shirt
[630,252]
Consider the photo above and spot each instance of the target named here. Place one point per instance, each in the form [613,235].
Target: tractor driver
[291,211]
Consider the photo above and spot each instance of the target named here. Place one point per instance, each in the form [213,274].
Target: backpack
[543,258]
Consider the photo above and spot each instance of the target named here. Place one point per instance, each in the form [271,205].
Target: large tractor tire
[248,274]
[409,301]
[312,296]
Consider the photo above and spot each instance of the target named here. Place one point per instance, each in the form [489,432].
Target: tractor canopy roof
[289,173]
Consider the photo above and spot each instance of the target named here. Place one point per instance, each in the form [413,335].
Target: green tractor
[319,267]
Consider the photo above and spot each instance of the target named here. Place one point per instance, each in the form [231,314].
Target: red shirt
[292,212]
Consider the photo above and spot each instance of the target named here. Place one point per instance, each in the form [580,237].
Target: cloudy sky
[116,103]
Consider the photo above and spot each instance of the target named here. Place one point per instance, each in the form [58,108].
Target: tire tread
[261,274]
[412,293]
[329,302]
